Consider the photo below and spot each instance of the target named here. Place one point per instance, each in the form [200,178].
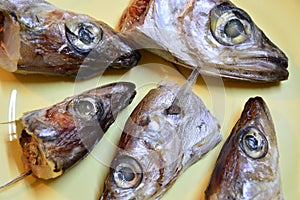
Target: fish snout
[268,60]
[128,59]
[256,108]
[276,56]
[122,95]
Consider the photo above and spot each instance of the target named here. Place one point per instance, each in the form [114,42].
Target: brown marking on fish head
[2,20]
[135,13]
[64,133]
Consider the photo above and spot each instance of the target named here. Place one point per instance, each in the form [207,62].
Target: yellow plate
[20,93]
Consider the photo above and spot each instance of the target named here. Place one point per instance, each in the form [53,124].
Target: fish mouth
[129,59]
[278,62]
[123,94]
[256,69]
[129,93]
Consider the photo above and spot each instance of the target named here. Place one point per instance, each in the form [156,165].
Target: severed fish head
[161,139]
[37,37]
[55,138]
[248,164]
[215,36]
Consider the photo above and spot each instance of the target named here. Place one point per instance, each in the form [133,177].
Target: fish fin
[190,82]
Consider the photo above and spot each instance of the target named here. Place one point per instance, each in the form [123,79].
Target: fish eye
[85,107]
[253,143]
[230,25]
[127,173]
[83,36]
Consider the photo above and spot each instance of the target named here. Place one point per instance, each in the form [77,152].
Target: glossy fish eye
[127,173]
[83,36]
[85,107]
[230,25]
[234,28]
[253,143]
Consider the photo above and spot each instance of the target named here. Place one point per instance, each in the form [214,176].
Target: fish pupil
[86,108]
[126,174]
[251,142]
[234,28]
[86,36]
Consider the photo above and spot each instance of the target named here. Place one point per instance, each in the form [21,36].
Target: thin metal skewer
[22,176]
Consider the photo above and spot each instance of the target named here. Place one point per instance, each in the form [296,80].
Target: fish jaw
[258,61]
[197,42]
[114,52]
[236,174]
[163,141]
[53,139]
[58,42]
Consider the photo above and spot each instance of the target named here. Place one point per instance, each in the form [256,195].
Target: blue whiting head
[215,36]
[248,164]
[165,134]
[38,37]
[55,138]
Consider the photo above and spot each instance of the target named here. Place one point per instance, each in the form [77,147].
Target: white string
[12,129]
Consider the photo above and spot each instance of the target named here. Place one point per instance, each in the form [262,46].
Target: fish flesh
[37,37]
[168,131]
[248,164]
[55,138]
[213,35]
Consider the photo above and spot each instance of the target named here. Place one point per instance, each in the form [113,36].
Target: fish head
[257,142]
[55,138]
[214,36]
[59,42]
[248,164]
[134,176]
[232,45]
[147,150]
[163,138]
[145,166]
[101,46]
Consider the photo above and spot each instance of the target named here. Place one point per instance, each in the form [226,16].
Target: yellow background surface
[280,22]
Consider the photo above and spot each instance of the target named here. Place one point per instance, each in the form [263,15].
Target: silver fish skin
[37,37]
[213,35]
[164,136]
[248,164]
[55,138]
